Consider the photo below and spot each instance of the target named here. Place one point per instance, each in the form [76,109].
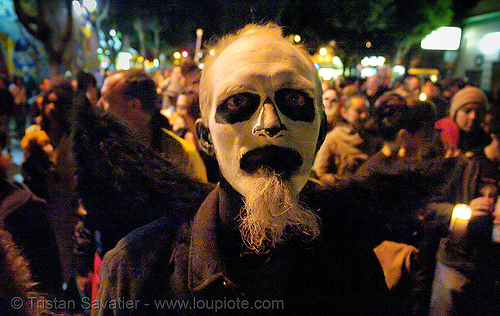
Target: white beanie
[465,96]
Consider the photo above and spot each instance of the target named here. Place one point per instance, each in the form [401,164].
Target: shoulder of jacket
[145,244]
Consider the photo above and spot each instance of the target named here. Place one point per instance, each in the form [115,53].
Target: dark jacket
[25,216]
[464,185]
[201,261]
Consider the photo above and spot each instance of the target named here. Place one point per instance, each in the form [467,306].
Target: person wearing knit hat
[467,109]
[466,96]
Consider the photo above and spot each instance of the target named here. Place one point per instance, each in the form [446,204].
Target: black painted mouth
[282,161]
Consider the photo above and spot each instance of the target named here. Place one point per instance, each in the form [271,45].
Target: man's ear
[204,138]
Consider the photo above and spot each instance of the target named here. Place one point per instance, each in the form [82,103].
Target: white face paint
[272,81]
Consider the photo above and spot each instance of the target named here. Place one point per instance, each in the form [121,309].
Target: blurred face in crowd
[470,116]
[413,85]
[450,91]
[49,104]
[112,100]
[176,73]
[355,111]
[264,122]
[45,85]
[184,102]
[372,85]
[192,83]
[92,94]
[430,89]
[330,102]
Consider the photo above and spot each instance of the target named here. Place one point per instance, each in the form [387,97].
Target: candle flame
[462,211]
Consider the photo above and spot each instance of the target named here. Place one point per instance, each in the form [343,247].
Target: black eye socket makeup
[237,108]
[295,104]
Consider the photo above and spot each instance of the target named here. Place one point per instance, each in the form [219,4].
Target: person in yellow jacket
[131,97]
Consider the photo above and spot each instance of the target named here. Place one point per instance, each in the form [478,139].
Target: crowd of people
[251,179]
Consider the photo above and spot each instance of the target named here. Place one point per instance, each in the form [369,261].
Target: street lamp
[199,34]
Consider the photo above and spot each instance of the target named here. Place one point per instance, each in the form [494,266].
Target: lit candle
[459,221]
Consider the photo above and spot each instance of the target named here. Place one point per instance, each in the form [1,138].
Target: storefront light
[490,43]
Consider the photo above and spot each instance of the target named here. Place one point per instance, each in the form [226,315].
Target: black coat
[25,217]
[201,261]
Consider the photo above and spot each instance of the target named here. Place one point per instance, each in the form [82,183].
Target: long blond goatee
[270,209]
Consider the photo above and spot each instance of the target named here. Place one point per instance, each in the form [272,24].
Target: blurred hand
[328,178]
[482,204]
[496,212]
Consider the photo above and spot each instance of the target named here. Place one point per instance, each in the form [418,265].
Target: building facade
[479,55]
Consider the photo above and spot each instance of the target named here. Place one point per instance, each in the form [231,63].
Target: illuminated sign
[444,38]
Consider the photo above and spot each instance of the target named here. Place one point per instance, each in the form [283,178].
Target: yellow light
[368,44]
[322,51]
[140,59]
[177,55]
[297,38]
[212,52]
[422,97]
[462,211]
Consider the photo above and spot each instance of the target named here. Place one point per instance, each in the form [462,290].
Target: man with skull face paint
[265,232]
